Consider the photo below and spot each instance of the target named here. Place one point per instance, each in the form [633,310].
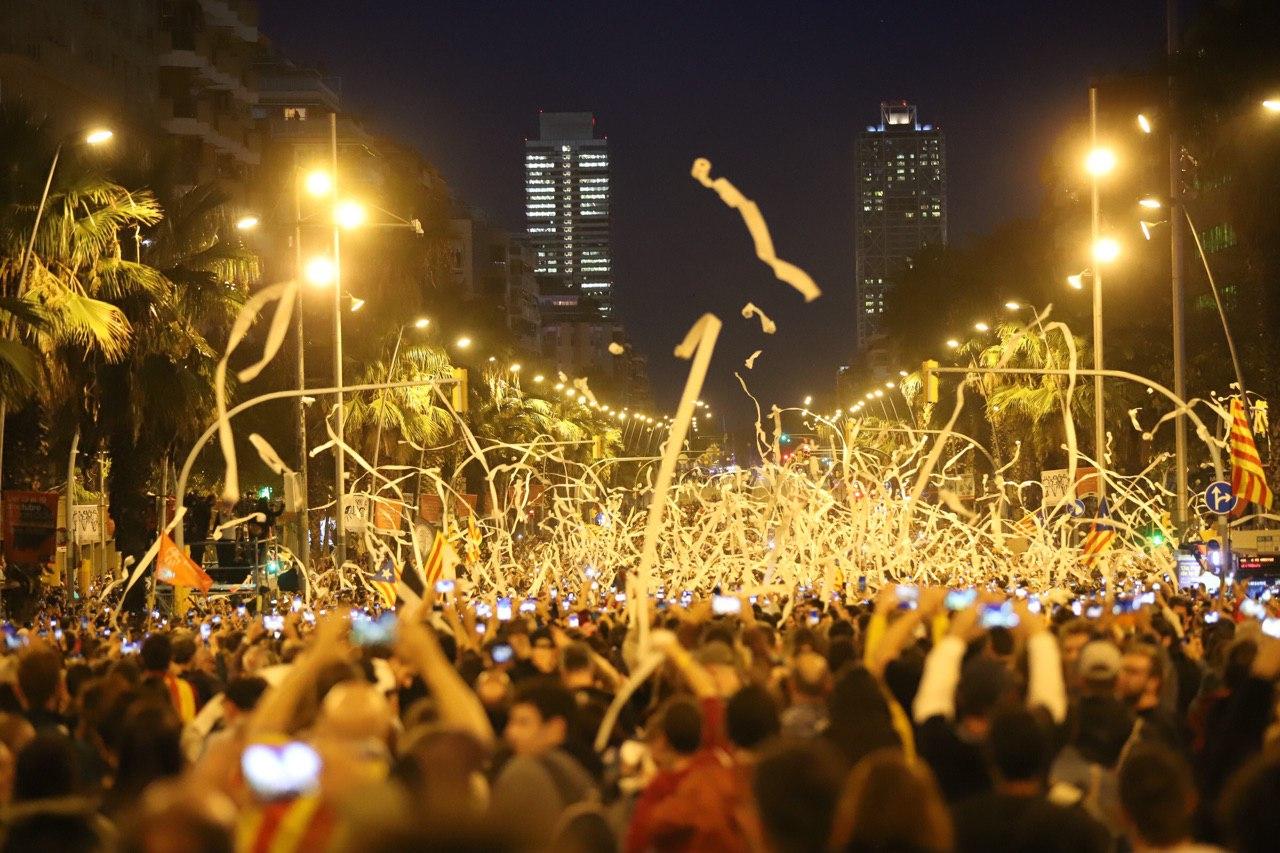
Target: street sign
[1076,508]
[1218,498]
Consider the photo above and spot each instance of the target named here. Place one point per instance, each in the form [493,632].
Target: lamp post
[1099,162]
[300,407]
[339,446]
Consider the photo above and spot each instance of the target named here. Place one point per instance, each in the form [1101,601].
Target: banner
[84,523]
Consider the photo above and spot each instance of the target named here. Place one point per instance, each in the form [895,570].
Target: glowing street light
[890,384]
[1076,281]
[537,378]
[1013,306]
[1144,123]
[319,183]
[421,323]
[320,271]
[462,342]
[356,304]
[515,368]
[1271,105]
[1150,203]
[1106,250]
[247,223]
[98,135]
[349,214]
[981,327]
[1100,161]
[808,400]
[903,374]
[952,343]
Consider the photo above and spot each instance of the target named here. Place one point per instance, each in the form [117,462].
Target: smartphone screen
[573,620]
[280,772]
[444,586]
[959,599]
[501,653]
[504,609]
[908,596]
[724,605]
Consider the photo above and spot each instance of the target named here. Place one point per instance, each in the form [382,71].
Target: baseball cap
[1099,661]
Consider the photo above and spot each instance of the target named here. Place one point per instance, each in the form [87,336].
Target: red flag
[174,567]
[1248,481]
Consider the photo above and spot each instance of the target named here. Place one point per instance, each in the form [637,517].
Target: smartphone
[1156,586]
[1077,608]
[554,593]
[205,631]
[309,617]
[959,599]
[296,605]
[500,653]
[529,605]
[217,620]
[1211,617]
[1271,627]
[908,596]
[445,586]
[862,584]
[374,632]
[128,648]
[280,772]
[814,618]
[725,605]
[504,609]
[481,628]
[591,572]
[999,616]
[84,623]
[1094,611]
[240,611]
[1148,597]
[57,634]
[273,622]
[1249,607]
[573,620]
[620,597]
[1033,604]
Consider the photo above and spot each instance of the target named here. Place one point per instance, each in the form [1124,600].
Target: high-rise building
[901,205]
[566,181]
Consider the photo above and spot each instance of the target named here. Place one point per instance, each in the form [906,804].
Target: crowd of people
[903,718]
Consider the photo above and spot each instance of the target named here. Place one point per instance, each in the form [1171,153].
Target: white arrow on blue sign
[1219,498]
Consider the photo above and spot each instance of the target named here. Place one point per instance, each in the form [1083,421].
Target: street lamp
[952,343]
[247,223]
[349,214]
[421,323]
[515,368]
[1013,306]
[1271,105]
[97,136]
[538,378]
[1144,123]
[1105,250]
[462,342]
[808,400]
[319,183]
[320,271]
[1100,161]
[981,327]
[1150,203]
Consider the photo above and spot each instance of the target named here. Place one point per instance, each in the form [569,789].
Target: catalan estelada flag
[441,561]
[1100,537]
[1248,482]
[383,582]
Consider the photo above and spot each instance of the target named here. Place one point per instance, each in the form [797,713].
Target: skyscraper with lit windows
[566,172]
[901,205]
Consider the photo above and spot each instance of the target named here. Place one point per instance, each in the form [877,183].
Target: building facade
[901,205]
[175,71]
[494,267]
[567,194]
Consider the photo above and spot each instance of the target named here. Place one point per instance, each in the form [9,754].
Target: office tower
[566,173]
[901,205]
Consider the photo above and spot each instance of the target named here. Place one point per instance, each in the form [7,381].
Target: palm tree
[414,414]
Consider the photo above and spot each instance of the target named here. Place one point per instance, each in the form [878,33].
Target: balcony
[185,48]
[238,16]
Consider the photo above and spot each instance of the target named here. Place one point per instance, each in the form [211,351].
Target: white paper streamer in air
[750,363]
[766,325]
[730,195]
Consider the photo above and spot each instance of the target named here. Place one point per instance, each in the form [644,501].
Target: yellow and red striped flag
[1100,537]
[441,561]
[1248,481]
[384,580]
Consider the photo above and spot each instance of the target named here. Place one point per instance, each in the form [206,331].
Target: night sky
[772,93]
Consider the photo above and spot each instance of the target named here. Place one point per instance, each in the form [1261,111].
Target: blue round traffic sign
[1218,498]
[1076,508]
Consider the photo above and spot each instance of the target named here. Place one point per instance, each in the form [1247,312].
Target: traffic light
[929,380]
[460,390]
